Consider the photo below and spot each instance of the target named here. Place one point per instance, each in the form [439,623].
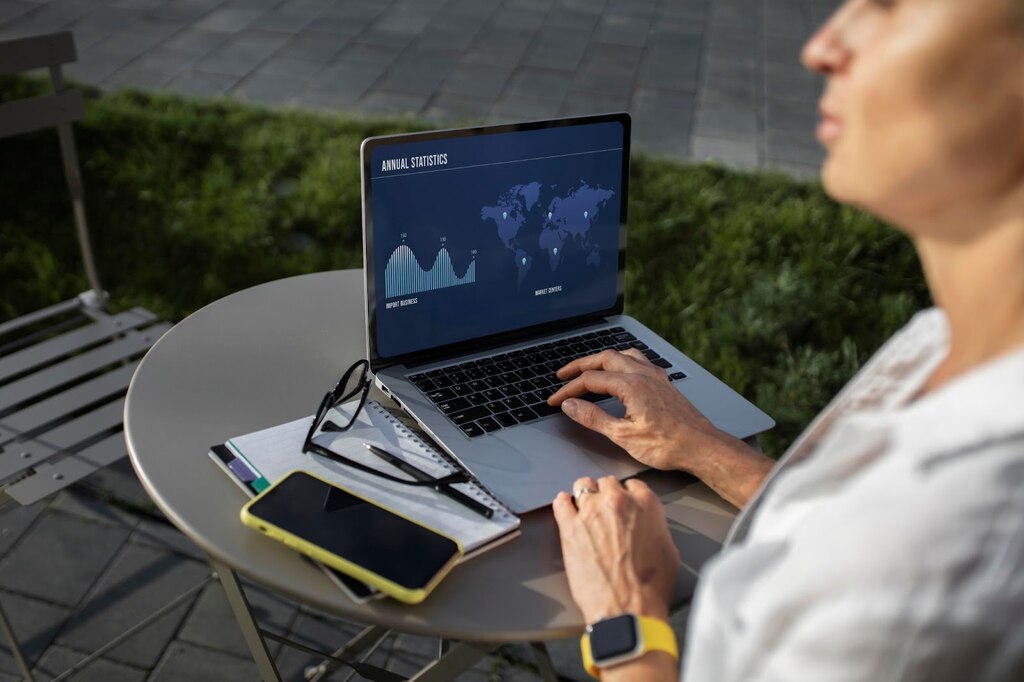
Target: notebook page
[276,451]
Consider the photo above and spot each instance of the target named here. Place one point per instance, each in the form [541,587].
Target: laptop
[494,256]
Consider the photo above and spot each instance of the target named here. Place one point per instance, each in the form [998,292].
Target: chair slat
[77,339]
[56,441]
[39,315]
[67,371]
[46,111]
[34,52]
[51,477]
[96,389]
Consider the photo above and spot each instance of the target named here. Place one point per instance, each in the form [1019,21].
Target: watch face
[613,637]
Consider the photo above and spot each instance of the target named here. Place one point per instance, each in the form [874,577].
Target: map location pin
[504,215]
[586,214]
[524,261]
[555,250]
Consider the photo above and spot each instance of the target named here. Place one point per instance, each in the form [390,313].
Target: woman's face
[924,104]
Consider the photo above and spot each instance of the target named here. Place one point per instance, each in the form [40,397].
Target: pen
[419,475]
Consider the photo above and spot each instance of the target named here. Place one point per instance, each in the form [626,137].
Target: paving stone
[34,567]
[119,481]
[35,623]
[196,42]
[90,508]
[623,30]
[347,77]
[282,21]
[514,108]
[541,84]
[783,50]
[420,80]
[726,119]
[583,103]
[360,52]
[477,80]
[446,107]
[15,521]
[57,659]
[184,661]
[92,68]
[310,45]
[229,19]
[791,81]
[327,100]
[796,147]
[165,536]
[139,581]
[184,10]
[243,53]
[212,623]
[136,39]
[790,116]
[318,632]
[383,103]
[554,51]
[203,83]
[268,89]
[447,36]
[734,153]
[12,9]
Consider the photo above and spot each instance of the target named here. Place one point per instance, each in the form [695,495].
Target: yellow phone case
[403,594]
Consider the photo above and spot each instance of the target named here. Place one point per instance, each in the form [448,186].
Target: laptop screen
[475,233]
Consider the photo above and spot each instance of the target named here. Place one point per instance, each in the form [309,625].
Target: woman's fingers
[610,360]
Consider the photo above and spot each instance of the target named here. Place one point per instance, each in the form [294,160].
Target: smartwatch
[623,638]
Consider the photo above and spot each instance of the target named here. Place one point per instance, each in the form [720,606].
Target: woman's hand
[661,428]
[618,553]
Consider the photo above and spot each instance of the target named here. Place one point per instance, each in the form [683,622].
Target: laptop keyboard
[501,391]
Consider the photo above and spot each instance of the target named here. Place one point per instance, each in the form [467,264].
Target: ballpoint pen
[420,475]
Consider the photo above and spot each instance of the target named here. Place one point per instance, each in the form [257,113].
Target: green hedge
[763,280]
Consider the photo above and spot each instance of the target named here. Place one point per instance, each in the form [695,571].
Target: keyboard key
[661,362]
[477,399]
[499,358]
[529,398]
[477,385]
[676,376]
[440,394]
[434,373]
[543,409]
[590,335]
[416,378]
[443,381]
[524,414]
[540,382]
[624,336]
[509,390]
[506,366]
[506,419]
[525,373]
[495,381]
[494,394]
[509,377]
[524,386]
[474,373]
[458,377]
[639,345]
[489,424]
[469,414]
[425,385]
[471,430]
[622,346]
[491,369]
[461,389]
[650,354]
[467,365]
[521,362]
[551,355]
[616,329]
[545,393]
[453,405]
[512,403]
[496,407]
[517,354]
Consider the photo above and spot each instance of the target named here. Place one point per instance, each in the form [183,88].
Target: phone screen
[355,530]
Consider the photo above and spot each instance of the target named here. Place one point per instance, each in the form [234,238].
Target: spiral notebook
[263,457]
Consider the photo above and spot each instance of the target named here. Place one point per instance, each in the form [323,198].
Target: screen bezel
[378,362]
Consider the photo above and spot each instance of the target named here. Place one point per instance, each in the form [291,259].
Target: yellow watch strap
[655,634]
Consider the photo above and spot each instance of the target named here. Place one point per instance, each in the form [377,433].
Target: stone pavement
[703,78]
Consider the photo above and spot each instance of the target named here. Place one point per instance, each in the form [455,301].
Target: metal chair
[64,370]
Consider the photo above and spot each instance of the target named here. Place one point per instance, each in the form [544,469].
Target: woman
[888,543]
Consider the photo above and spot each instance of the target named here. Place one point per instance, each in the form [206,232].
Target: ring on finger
[578,494]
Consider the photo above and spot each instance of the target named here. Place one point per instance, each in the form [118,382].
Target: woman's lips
[829,128]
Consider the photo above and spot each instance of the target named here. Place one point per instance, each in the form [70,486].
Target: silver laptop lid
[477,236]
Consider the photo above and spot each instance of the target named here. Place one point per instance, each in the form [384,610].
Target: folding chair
[64,370]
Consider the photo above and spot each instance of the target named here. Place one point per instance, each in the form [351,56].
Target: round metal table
[266,355]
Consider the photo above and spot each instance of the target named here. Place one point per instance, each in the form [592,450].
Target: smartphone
[399,556]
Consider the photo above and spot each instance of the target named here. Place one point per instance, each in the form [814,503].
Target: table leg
[461,656]
[544,664]
[369,637]
[243,614]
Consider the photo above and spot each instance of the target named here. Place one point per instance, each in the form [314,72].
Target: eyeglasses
[355,382]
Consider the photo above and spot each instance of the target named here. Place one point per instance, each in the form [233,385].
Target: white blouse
[888,544]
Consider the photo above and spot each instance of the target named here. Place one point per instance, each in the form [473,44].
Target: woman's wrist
[731,468]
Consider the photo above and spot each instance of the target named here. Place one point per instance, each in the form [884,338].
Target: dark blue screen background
[578,164]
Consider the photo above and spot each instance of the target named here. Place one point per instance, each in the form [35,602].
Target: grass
[763,280]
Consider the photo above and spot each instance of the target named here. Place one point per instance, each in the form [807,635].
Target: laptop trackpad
[612,459]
